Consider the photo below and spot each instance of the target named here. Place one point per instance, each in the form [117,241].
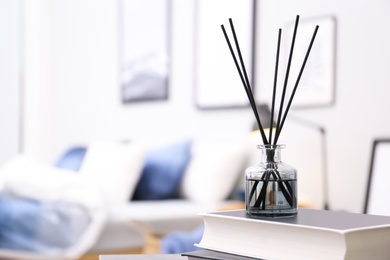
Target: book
[214,255]
[143,257]
[312,234]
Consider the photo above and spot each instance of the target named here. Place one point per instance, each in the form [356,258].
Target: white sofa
[129,225]
[115,171]
[209,183]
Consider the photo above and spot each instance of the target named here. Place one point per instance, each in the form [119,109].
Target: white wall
[362,85]
[85,102]
[10,78]
[81,97]
[37,78]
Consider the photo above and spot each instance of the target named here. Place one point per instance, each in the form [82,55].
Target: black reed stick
[239,55]
[297,82]
[246,84]
[286,78]
[262,197]
[274,91]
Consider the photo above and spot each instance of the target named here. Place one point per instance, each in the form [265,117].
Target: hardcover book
[214,255]
[312,234]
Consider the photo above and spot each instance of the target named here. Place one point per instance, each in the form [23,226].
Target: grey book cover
[214,255]
[335,220]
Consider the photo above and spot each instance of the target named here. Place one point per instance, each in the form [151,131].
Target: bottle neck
[271,153]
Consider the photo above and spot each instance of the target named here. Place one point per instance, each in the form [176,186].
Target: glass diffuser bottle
[271,186]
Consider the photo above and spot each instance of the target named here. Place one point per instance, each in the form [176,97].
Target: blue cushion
[180,241]
[72,159]
[163,171]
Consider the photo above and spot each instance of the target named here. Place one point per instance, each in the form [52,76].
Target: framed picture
[317,85]
[145,53]
[378,191]
[217,82]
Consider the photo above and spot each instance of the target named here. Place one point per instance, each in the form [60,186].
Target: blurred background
[59,86]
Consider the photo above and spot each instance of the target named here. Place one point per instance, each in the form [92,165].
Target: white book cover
[312,234]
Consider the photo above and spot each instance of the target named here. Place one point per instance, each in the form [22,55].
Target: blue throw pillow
[181,241]
[72,159]
[163,171]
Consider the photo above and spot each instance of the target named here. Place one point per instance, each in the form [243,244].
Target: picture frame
[144,49]
[217,82]
[378,191]
[318,82]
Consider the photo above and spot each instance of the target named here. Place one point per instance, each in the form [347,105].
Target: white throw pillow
[213,171]
[114,168]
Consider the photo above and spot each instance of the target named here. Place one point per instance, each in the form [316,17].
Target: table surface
[144,257]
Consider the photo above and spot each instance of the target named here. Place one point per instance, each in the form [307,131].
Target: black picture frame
[144,43]
[217,82]
[378,192]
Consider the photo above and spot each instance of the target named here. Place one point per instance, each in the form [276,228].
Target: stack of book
[312,234]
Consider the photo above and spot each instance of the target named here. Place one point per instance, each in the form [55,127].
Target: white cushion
[114,168]
[213,171]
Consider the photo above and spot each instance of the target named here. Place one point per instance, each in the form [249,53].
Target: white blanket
[28,178]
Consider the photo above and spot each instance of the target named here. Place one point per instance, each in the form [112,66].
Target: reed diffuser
[271,185]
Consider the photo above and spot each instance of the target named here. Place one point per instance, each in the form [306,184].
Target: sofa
[145,190]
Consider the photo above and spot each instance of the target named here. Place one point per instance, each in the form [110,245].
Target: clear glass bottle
[271,186]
